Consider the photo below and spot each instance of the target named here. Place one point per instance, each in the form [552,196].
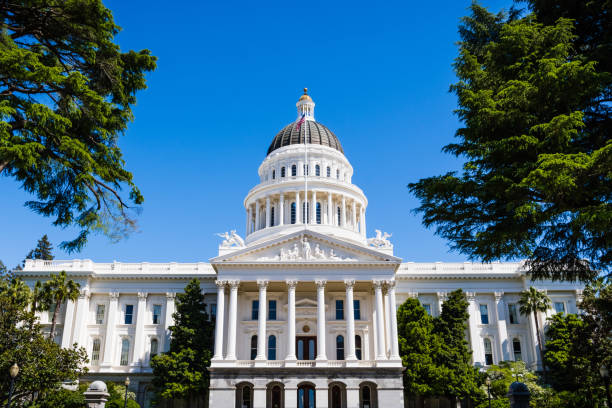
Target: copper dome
[318,134]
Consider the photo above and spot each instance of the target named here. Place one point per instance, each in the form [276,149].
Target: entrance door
[306,347]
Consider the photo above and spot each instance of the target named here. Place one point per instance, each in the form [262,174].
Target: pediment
[306,247]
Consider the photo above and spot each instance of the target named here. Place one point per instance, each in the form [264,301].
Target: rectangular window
[125,352]
[213,312]
[513,313]
[427,308]
[559,307]
[100,314]
[484,314]
[255,310]
[95,352]
[271,309]
[156,314]
[516,348]
[339,309]
[129,313]
[488,352]
[357,309]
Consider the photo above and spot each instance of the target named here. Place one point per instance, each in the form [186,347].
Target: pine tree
[43,250]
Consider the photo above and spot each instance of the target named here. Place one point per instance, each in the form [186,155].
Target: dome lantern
[305,106]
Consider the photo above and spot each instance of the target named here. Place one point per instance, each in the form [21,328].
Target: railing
[304,363]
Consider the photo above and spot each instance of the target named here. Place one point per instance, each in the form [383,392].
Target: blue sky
[229,74]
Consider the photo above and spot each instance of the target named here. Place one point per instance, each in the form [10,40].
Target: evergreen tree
[534,100]
[182,373]
[66,95]
[56,291]
[531,302]
[43,250]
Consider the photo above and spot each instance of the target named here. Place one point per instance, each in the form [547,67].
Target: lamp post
[605,375]
[13,371]
[488,382]
[127,384]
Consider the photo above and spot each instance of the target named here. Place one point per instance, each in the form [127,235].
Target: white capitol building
[304,305]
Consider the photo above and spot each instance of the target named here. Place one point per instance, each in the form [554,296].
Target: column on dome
[219,320]
[268,220]
[248,222]
[298,208]
[68,321]
[281,209]
[262,320]
[109,336]
[343,212]
[502,332]
[354,215]
[168,319]
[380,324]
[233,319]
[363,221]
[321,353]
[330,209]
[393,321]
[82,313]
[350,320]
[291,284]
[138,356]
[256,216]
[475,339]
[313,208]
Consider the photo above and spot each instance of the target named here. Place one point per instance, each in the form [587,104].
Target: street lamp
[127,384]
[605,374]
[13,371]
[488,382]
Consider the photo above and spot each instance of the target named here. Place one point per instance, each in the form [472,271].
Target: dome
[97,386]
[318,134]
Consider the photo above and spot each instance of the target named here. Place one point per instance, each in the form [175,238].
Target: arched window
[95,352]
[328,171]
[293,213]
[305,213]
[340,347]
[154,347]
[339,212]
[318,213]
[125,352]
[272,347]
[516,348]
[293,170]
[273,174]
[367,395]
[275,395]
[306,396]
[272,216]
[282,171]
[317,170]
[358,347]
[244,395]
[488,351]
[253,347]
[338,173]
[336,397]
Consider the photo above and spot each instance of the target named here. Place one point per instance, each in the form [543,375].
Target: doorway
[306,347]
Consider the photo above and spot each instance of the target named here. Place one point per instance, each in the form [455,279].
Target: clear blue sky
[229,74]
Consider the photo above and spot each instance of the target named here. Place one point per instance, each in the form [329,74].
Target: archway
[306,397]
[244,395]
[275,395]
[337,395]
[368,395]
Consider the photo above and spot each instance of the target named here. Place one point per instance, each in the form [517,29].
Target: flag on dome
[299,124]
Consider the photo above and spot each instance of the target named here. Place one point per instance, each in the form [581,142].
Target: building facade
[304,305]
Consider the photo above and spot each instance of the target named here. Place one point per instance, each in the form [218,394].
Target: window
[272,347]
[306,396]
[276,396]
[255,310]
[213,312]
[273,174]
[244,396]
[156,314]
[306,170]
[154,347]
[294,170]
[293,213]
[559,307]
[272,310]
[340,347]
[339,216]
[356,310]
[125,352]
[317,170]
[100,314]
[95,352]
[318,213]
[512,313]
[336,397]
[488,352]
[516,349]
[338,173]
[253,347]
[339,309]
[51,312]
[484,314]
[282,172]
[129,313]
[366,397]
[305,213]
[272,216]
[427,308]
[358,347]
[328,171]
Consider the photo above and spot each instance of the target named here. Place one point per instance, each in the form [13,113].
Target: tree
[56,291]
[182,373]
[43,250]
[66,92]
[531,302]
[536,181]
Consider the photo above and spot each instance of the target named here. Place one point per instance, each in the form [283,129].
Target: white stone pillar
[109,337]
[219,320]
[343,211]
[298,208]
[354,215]
[475,340]
[502,331]
[82,314]
[380,324]
[268,220]
[442,296]
[350,320]
[330,209]
[387,330]
[362,226]
[281,209]
[263,317]
[233,320]
[291,284]
[321,354]
[248,219]
[68,320]
[393,318]
[168,318]
[141,313]
[256,216]
[313,208]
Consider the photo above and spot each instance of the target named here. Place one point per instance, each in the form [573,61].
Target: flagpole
[306,171]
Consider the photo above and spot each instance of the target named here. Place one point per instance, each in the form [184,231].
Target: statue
[305,249]
[231,239]
[381,240]
[318,253]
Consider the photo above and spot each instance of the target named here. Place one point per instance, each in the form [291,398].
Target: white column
[82,314]
[233,320]
[291,284]
[343,212]
[354,215]
[330,209]
[393,318]
[502,332]
[68,320]
[281,209]
[268,220]
[387,329]
[321,354]
[141,313]
[442,296]
[263,316]
[248,219]
[109,337]
[219,320]
[298,208]
[380,324]
[475,340]
[168,319]
[363,221]
[256,216]
[313,208]
[350,320]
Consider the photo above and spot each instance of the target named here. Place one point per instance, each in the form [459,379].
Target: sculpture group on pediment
[381,240]
[305,252]
[231,239]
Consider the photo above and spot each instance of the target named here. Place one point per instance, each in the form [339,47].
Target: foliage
[56,291]
[44,365]
[66,92]
[120,403]
[61,398]
[43,250]
[535,108]
[181,373]
[531,302]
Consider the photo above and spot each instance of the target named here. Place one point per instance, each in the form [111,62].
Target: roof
[317,134]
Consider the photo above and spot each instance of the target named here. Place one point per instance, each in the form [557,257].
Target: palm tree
[56,291]
[533,301]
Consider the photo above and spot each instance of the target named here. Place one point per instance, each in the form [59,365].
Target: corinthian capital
[234,283]
[220,283]
[291,283]
[320,283]
[262,283]
[349,283]
[378,283]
